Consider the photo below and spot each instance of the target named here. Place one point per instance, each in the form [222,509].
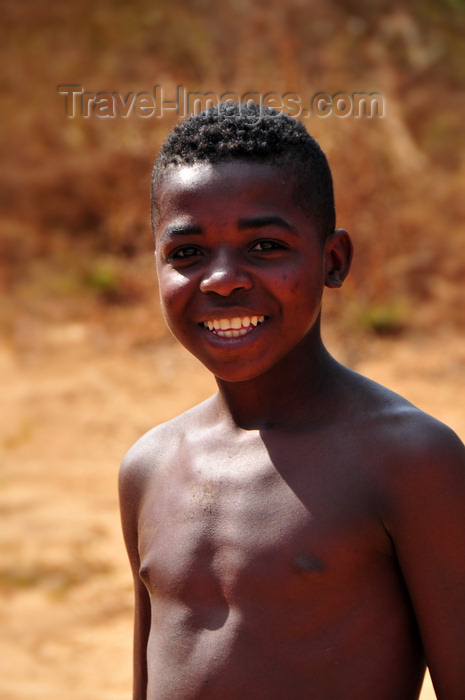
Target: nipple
[310,563]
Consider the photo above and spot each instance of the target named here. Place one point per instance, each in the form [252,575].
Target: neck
[295,392]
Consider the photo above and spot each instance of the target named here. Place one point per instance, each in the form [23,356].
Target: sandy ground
[74,397]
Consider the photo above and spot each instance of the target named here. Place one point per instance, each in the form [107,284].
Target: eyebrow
[173,231]
[255,222]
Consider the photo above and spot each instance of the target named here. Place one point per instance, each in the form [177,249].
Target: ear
[338,257]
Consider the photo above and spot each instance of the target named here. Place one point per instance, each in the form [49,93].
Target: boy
[300,535]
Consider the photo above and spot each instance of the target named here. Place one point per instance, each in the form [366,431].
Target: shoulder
[419,463]
[156,448]
[408,446]
[425,465]
[422,453]
[385,416]
[410,437]
[145,464]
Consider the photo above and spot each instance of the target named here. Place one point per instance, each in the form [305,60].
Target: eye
[184,253]
[267,246]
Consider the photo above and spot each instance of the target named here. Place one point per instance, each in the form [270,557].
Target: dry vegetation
[74,200]
[85,362]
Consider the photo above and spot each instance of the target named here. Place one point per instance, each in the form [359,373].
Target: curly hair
[258,134]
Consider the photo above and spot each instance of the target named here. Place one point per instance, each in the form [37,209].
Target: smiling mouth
[233,327]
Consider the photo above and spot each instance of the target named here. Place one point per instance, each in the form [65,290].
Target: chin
[237,374]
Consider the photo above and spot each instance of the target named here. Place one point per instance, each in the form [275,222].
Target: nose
[225,274]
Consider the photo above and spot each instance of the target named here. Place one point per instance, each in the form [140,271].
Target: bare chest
[246,526]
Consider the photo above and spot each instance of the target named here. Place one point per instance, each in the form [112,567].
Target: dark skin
[300,534]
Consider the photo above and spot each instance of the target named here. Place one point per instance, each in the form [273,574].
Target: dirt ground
[74,397]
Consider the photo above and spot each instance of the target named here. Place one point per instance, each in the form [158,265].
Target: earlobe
[338,258]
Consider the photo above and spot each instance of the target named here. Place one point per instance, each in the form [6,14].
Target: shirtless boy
[300,535]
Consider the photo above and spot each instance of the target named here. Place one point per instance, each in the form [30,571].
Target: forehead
[225,191]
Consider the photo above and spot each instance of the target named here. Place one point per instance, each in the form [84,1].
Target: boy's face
[241,267]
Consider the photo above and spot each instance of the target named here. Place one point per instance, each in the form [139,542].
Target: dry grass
[74,206]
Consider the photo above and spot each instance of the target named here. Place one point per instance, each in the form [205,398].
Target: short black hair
[234,131]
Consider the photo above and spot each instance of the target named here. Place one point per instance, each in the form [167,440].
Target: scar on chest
[310,563]
[205,495]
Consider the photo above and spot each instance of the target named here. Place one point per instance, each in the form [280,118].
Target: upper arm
[131,487]
[425,516]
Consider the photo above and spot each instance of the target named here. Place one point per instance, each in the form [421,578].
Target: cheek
[171,304]
[302,289]
[172,287]
[175,292]
[295,289]
[304,298]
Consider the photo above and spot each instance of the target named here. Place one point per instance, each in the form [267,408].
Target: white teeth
[233,327]
[232,333]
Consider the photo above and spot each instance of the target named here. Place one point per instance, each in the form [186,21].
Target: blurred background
[86,363]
